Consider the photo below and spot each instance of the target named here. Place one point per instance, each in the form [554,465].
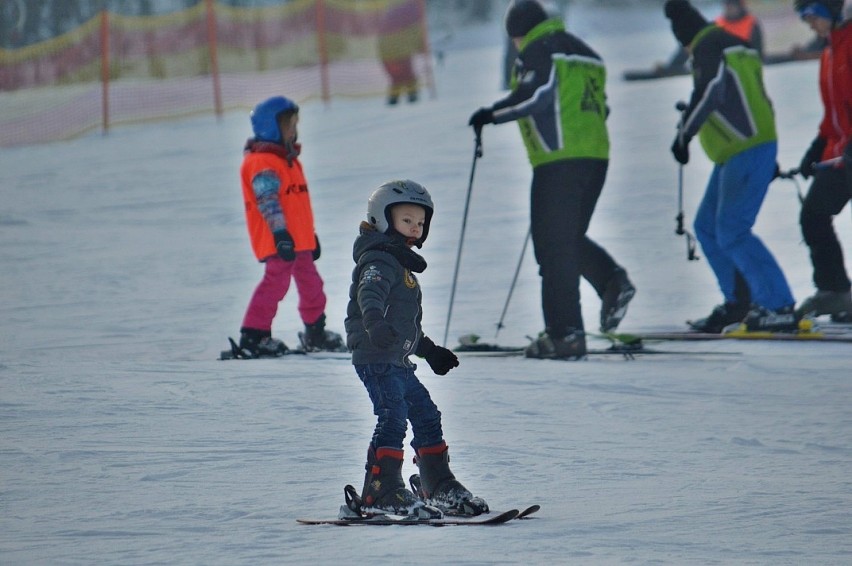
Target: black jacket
[384,279]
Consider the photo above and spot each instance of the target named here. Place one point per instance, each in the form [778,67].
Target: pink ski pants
[274,286]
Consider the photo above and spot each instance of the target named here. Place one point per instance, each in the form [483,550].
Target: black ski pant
[563,198]
[828,195]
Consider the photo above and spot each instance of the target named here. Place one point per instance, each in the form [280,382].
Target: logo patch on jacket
[409,279]
[371,274]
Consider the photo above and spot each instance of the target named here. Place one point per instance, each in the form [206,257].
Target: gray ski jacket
[384,279]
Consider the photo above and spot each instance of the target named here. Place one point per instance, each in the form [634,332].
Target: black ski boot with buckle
[437,486]
[384,489]
[316,338]
[256,343]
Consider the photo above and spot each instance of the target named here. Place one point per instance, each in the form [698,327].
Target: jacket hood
[369,239]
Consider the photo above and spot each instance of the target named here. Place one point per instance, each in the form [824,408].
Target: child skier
[382,330]
[281,228]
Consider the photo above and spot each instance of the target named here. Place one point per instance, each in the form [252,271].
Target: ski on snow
[808,330]
[351,515]
[237,353]
[470,345]
[454,521]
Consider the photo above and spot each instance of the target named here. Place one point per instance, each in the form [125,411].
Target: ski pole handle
[478,133]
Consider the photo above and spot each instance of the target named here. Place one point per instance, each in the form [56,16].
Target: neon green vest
[580,111]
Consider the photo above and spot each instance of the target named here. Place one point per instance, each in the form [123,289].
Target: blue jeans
[723,223]
[399,397]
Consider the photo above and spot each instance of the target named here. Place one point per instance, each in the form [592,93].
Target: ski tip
[506,516]
[529,511]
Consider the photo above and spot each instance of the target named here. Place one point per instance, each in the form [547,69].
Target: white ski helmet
[398,192]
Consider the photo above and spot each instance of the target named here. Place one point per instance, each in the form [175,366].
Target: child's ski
[386,520]
[352,513]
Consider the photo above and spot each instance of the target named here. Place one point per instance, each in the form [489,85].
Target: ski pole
[514,281]
[477,153]
[791,176]
[835,162]
[680,230]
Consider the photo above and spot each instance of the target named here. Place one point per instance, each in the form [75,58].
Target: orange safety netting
[118,69]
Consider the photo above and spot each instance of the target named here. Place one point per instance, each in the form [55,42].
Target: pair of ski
[807,330]
[628,347]
[351,514]
[631,344]
[237,353]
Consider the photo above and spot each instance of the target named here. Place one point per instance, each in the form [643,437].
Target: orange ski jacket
[276,197]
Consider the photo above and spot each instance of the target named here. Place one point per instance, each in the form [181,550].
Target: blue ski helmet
[264,118]
[828,9]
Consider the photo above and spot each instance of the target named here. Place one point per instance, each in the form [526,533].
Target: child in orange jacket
[281,228]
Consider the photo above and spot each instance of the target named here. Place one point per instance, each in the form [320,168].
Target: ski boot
[834,303]
[384,490]
[761,319]
[722,316]
[256,343]
[570,347]
[618,294]
[437,485]
[316,338]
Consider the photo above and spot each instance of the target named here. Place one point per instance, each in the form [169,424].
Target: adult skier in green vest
[733,118]
[558,99]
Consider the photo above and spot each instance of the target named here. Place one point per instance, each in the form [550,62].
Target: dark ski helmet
[828,9]
[686,20]
[522,16]
[404,191]
[264,118]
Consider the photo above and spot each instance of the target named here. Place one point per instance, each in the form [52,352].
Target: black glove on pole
[680,147]
[812,156]
[681,154]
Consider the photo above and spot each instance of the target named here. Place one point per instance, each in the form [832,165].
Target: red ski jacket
[835,85]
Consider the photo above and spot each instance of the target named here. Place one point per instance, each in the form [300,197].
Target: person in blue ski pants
[723,223]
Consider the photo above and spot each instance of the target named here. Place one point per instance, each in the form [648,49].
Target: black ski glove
[440,359]
[317,250]
[680,150]
[812,156]
[480,118]
[284,246]
[381,333]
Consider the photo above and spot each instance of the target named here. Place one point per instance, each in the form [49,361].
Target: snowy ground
[124,264]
